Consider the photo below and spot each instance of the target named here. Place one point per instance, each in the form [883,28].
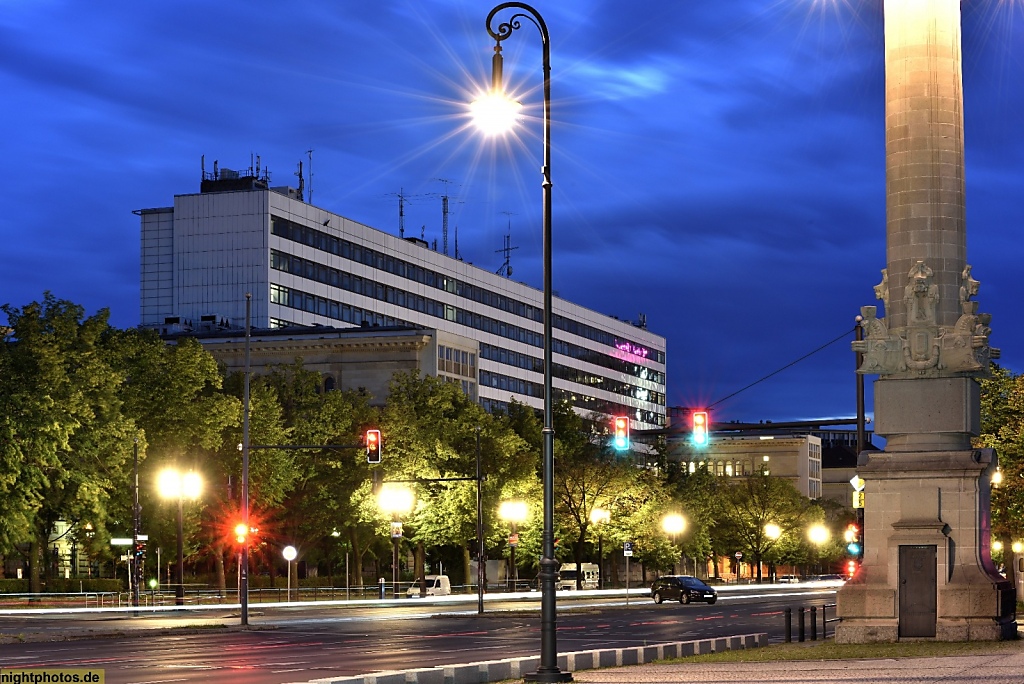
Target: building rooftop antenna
[309,153]
[506,268]
[444,213]
[402,197]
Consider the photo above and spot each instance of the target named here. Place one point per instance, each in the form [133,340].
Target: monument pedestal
[927,571]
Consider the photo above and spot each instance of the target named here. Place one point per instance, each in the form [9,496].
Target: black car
[682,588]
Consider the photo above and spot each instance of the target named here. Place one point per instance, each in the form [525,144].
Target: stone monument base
[927,572]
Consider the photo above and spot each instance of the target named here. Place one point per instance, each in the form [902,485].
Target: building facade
[306,266]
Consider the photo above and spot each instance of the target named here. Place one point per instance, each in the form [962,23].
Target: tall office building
[307,266]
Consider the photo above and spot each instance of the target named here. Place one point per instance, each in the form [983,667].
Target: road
[292,644]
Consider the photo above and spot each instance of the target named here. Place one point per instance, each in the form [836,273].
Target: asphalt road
[297,644]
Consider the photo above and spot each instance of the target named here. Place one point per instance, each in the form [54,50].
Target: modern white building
[308,266]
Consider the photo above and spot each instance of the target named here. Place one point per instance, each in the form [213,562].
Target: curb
[515,668]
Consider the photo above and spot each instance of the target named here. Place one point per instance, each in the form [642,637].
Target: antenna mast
[444,214]
[506,268]
[310,154]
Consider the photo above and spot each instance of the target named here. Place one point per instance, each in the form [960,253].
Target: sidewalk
[996,668]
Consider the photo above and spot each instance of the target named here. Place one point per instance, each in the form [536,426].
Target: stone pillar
[928,492]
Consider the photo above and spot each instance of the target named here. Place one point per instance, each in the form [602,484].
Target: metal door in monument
[918,591]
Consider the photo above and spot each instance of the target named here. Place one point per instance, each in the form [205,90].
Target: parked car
[682,588]
[788,579]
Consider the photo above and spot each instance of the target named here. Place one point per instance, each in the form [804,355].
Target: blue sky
[717,166]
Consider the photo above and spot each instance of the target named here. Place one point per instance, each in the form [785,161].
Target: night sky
[717,166]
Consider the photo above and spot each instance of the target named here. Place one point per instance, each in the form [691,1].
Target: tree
[64,440]
[1002,428]
[752,503]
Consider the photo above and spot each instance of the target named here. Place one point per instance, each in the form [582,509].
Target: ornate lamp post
[289,553]
[514,513]
[172,484]
[548,670]
[599,517]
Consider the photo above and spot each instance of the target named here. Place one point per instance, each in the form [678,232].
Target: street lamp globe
[1017,547]
[772,531]
[396,501]
[673,524]
[600,516]
[818,534]
[495,113]
[514,512]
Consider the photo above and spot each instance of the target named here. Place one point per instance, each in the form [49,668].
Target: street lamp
[599,517]
[513,512]
[773,532]
[548,670]
[818,534]
[674,525]
[289,554]
[172,484]
[396,502]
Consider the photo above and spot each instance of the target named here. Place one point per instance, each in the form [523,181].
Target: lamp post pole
[548,670]
[179,589]
[243,564]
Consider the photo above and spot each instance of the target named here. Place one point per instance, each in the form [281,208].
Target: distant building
[305,266]
[360,359]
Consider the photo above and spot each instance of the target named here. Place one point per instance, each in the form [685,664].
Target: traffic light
[854,544]
[241,533]
[851,569]
[373,446]
[700,428]
[621,428]
[140,552]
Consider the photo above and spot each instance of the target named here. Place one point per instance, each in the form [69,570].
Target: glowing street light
[289,554]
[818,534]
[599,517]
[397,502]
[772,531]
[514,513]
[547,670]
[172,484]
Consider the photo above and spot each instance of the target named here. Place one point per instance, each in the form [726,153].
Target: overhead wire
[844,335]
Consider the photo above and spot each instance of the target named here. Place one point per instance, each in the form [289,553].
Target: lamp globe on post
[289,554]
[503,114]
[515,514]
[599,517]
[772,532]
[396,502]
[175,485]
[819,536]
[674,525]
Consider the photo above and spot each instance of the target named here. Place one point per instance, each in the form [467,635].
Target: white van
[437,585]
[567,576]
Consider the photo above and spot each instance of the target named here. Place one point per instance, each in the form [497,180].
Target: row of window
[532,363]
[456,361]
[288,263]
[303,301]
[403,269]
[533,389]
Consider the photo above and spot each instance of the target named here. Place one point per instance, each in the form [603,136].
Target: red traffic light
[700,425]
[373,446]
[620,440]
[241,533]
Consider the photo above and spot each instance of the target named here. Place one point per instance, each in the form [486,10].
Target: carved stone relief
[923,348]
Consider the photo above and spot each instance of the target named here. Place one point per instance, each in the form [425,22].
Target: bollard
[800,623]
[814,623]
[383,588]
[789,625]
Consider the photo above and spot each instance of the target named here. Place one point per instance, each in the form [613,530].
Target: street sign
[143,537]
[513,539]
[858,499]
[396,530]
[739,555]
[858,483]
[627,549]
[121,541]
